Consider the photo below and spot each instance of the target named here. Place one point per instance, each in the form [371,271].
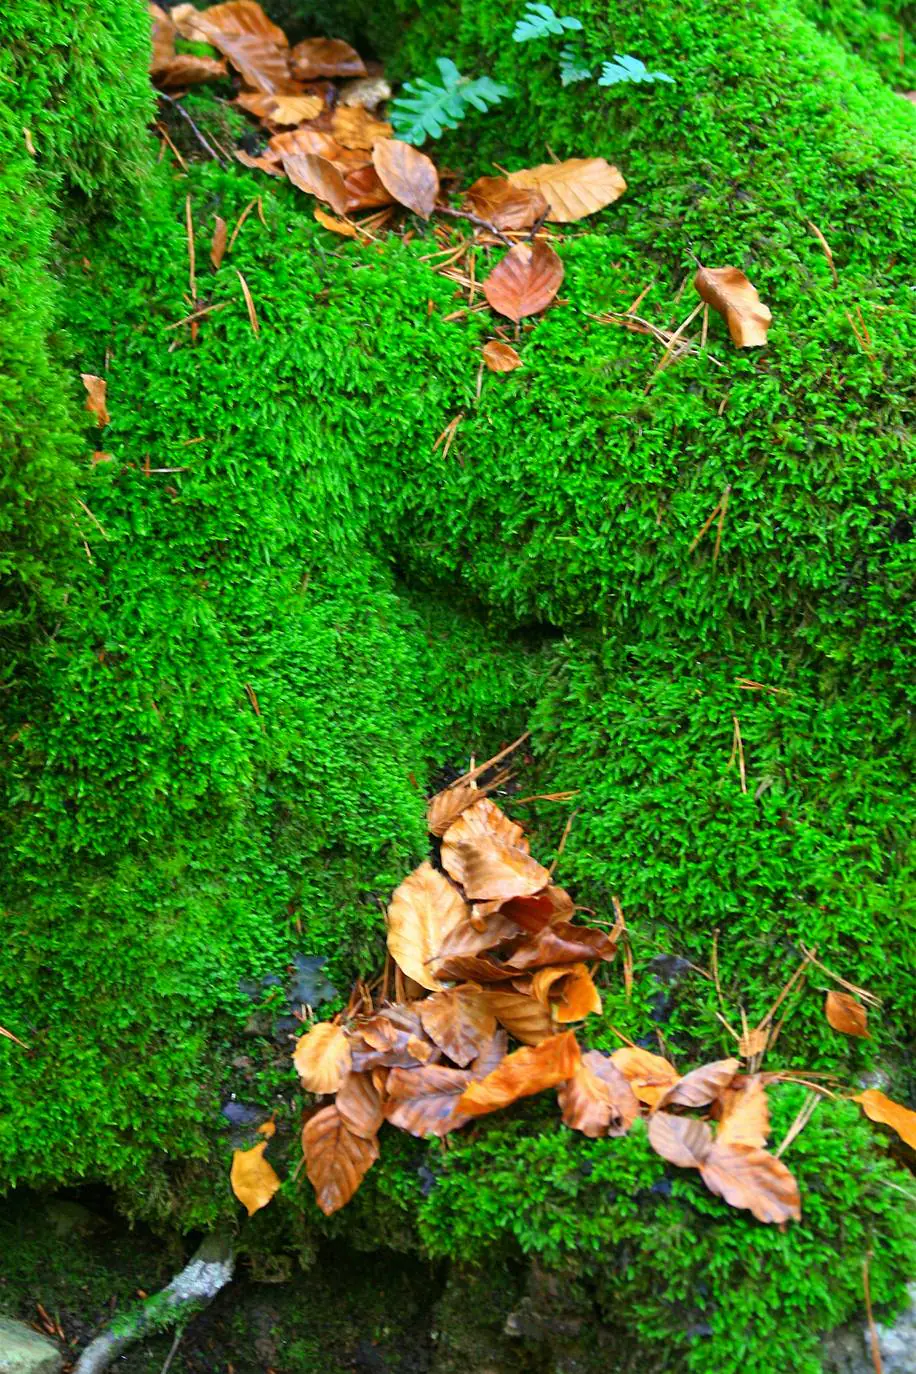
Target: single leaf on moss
[459,1021]
[682,1140]
[322,1058]
[846,1015]
[423,911]
[318,177]
[354,127]
[315,57]
[336,226]
[701,1086]
[649,1075]
[426,1101]
[567,991]
[573,189]
[753,1180]
[218,242]
[96,398]
[522,1016]
[729,292]
[336,1159]
[504,205]
[886,1112]
[525,281]
[408,175]
[522,1074]
[361,1105]
[252,1178]
[500,357]
[745,1114]
[598,1100]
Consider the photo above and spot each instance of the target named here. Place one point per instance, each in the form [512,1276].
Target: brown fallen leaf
[702,1085]
[500,357]
[459,1021]
[265,163]
[361,1105]
[250,45]
[426,1101]
[682,1140]
[523,1017]
[354,127]
[170,70]
[233,17]
[408,175]
[649,1075]
[729,292]
[505,205]
[886,1112]
[567,992]
[364,189]
[561,943]
[97,391]
[525,281]
[393,1038]
[745,1176]
[522,1074]
[336,1159]
[598,1100]
[252,1178]
[336,226]
[423,911]
[315,57]
[493,1053]
[218,242]
[298,142]
[847,1015]
[544,908]
[317,177]
[322,1058]
[490,869]
[281,109]
[473,968]
[485,820]
[745,1118]
[575,188]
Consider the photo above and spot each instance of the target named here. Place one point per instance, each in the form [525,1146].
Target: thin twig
[198,314]
[739,744]
[805,1113]
[10,1036]
[722,512]
[171,1355]
[189,225]
[827,250]
[241,220]
[872,1329]
[252,316]
[562,845]
[165,134]
[866,996]
[198,135]
[704,527]
[715,966]
[472,219]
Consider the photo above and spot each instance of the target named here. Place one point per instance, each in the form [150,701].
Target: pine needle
[250,303]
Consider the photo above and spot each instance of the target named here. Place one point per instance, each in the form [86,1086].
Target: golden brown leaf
[472,968]
[318,177]
[459,1021]
[233,18]
[361,1105]
[281,109]
[475,935]
[260,62]
[485,820]
[889,1113]
[490,869]
[504,205]
[364,190]
[682,1140]
[847,1015]
[561,943]
[185,70]
[315,57]
[163,35]
[545,908]
[265,163]
[575,188]
[97,391]
[423,911]
[322,1058]
[729,292]
[298,142]
[523,1073]
[425,1101]
[354,127]
[500,357]
[649,1075]
[753,1180]
[391,1038]
[336,226]
[525,281]
[745,1118]
[598,1100]
[446,806]
[567,992]
[336,1158]
[702,1085]
[408,175]
[523,1017]
[253,1180]
[218,242]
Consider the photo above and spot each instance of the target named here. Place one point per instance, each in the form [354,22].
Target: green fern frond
[425,110]
[571,68]
[540,21]
[625,68]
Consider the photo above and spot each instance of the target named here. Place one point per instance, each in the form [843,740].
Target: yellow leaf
[889,1113]
[423,912]
[648,1075]
[322,1058]
[253,1180]
[580,186]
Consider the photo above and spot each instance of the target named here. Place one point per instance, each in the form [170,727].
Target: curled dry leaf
[96,395]
[523,1073]
[317,177]
[218,242]
[753,1180]
[847,1015]
[485,820]
[233,18]
[598,1100]
[475,935]
[408,175]
[322,1058]
[298,142]
[265,163]
[251,1177]
[490,869]
[473,968]
[561,943]
[745,1114]
[423,911]
[361,1105]
[649,1075]
[393,1038]
[500,357]
[336,1159]
[426,1101]
[567,992]
[315,57]
[505,205]
[460,1022]
[281,109]
[522,1016]
[701,1086]
[172,71]
[544,908]
[364,190]
[525,281]
[354,127]
[336,226]
[446,806]
[729,292]
[575,188]
[886,1112]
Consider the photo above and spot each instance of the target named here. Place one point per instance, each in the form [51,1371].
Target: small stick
[189,224]
[706,525]
[241,220]
[253,699]
[805,1113]
[472,219]
[93,519]
[740,744]
[715,966]
[625,1038]
[724,507]
[198,135]
[827,250]
[545,796]
[866,996]
[788,988]
[563,838]
[171,1355]
[252,316]
[165,134]
[872,1329]
[705,329]
[9,1034]
[747,684]
[205,310]
[631,309]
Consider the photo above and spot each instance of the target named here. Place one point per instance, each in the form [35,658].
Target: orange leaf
[523,1073]
[218,242]
[702,1085]
[847,1015]
[753,1180]
[336,226]
[729,292]
[407,174]
[426,1101]
[423,911]
[568,992]
[315,57]
[598,1100]
[460,1022]
[745,1118]
[649,1075]
[322,1058]
[354,127]
[580,186]
[889,1113]
[473,968]
[500,357]
[336,1158]
[505,205]
[318,177]
[97,389]
[523,1017]
[281,109]
[298,142]
[265,163]
[242,32]
[682,1140]
[525,281]
[364,190]
[253,1180]
[545,908]
[360,1104]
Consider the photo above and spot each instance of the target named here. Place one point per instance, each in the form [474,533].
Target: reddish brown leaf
[847,1015]
[252,1178]
[423,912]
[354,127]
[753,1180]
[702,1085]
[561,943]
[336,1158]
[392,1038]
[299,142]
[889,1113]
[318,177]
[97,391]
[459,1021]
[745,1116]
[475,935]
[485,820]
[525,281]
[545,908]
[364,190]
[425,1101]
[266,163]
[567,992]
[504,205]
[218,242]
[575,188]
[729,292]
[523,1017]
[649,1075]
[493,1053]
[500,357]
[185,70]
[315,57]
[322,1058]
[473,968]
[233,17]
[598,1100]
[408,175]
[360,1104]
[523,1073]
[682,1140]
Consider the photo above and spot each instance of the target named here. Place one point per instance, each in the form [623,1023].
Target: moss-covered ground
[243,646]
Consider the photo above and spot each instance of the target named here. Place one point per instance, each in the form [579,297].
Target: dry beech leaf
[573,189]
[218,242]
[504,205]
[97,391]
[886,1112]
[745,1118]
[847,1015]
[525,281]
[183,70]
[299,142]
[545,908]
[485,820]
[567,992]
[473,968]
[649,1075]
[753,1180]
[489,869]
[322,1058]
[318,177]
[361,1105]
[336,226]
[598,1100]
[500,357]
[460,1022]
[393,1038]
[474,936]
[315,57]
[281,109]
[493,1053]
[446,806]
[523,1017]
[423,911]
[523,1073]
[354,127]
[682,1140]
[234,17]
[408,175]
[561,943]
[263,164]
[163,36]
[701,1086]
[336,1159]
[364,190]
[729,292]
[253,1180]
[425,1101]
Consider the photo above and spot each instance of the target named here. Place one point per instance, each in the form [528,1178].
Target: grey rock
[23,1351]
[848,1351]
